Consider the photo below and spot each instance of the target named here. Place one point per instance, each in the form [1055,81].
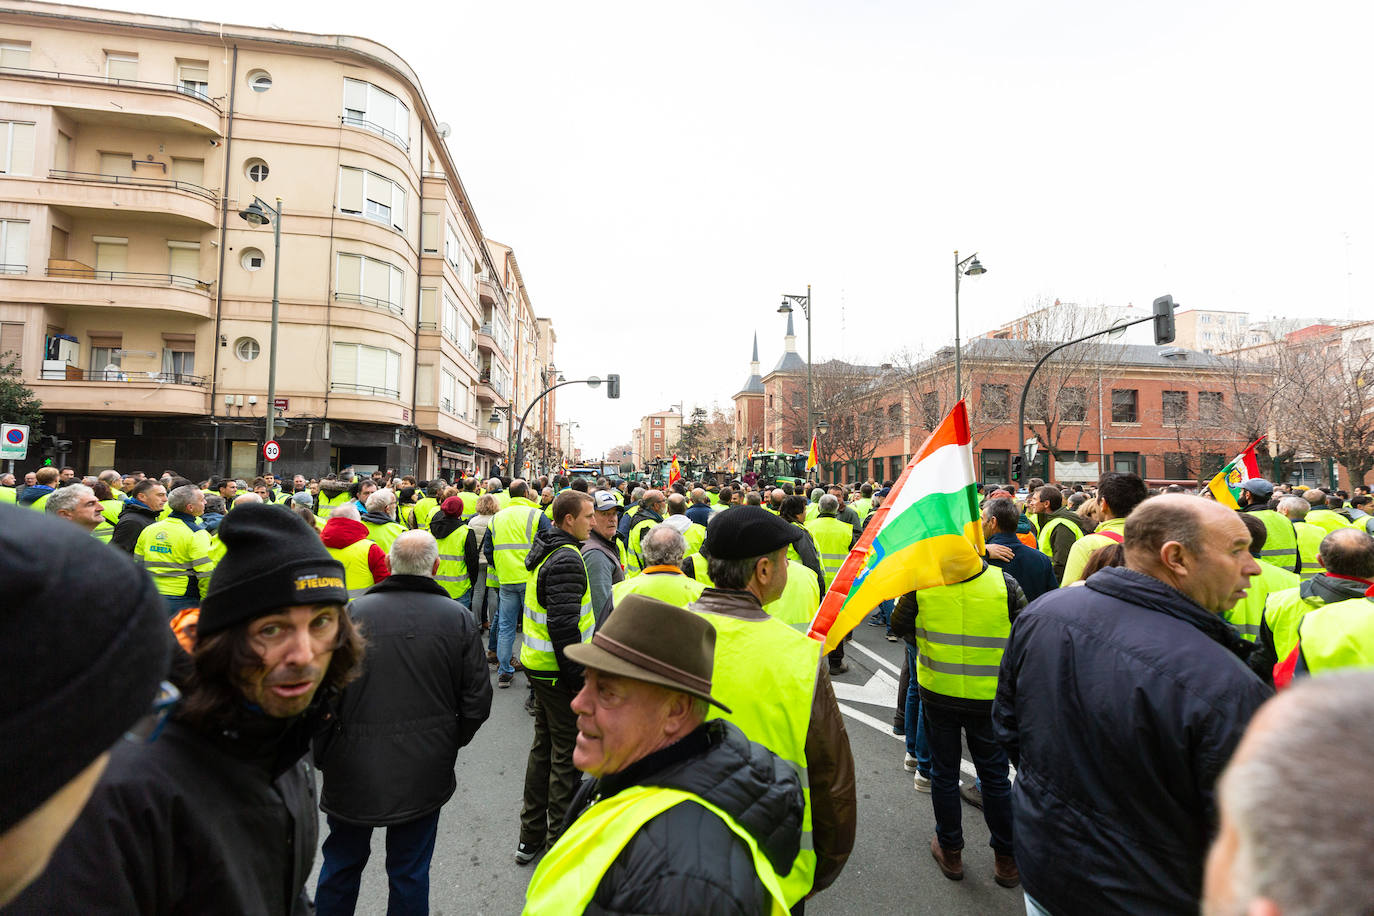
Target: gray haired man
[77,503]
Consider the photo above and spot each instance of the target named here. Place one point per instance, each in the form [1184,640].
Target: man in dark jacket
[680,816]
[1120,702]
[388,758]
[558,614]
[1031,569]
[140,510]
[218,814]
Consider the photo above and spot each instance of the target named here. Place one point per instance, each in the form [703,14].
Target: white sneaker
[922,784]
[909,764]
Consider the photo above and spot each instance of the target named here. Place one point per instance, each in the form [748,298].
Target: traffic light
[1016,465]
[613,385]
[1164,320]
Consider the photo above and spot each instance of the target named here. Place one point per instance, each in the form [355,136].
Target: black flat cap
[748,531]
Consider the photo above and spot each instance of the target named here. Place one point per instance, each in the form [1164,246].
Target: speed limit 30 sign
[271,450]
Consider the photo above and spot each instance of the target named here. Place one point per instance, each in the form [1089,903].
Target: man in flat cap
[787,704]
[681,815]
[218,814]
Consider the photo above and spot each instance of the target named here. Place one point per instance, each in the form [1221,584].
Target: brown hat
[654,641]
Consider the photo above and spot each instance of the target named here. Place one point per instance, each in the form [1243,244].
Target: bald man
[1119,702]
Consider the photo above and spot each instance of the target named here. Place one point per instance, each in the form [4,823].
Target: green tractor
[774,468]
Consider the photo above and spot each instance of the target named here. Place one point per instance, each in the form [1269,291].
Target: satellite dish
[444,130]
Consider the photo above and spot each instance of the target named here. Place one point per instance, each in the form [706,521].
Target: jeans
[943,727]
[409,848]
[176,604]
[510,610]
[916,743]
[884,612]
[551,780]
[465,599]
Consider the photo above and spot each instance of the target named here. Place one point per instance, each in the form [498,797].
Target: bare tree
[1332,413]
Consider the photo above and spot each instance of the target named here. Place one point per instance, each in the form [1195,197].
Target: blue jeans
[465,599]
[884,613]
[916,743]
[509,612]
[178,603]
[943,728]
[409,848]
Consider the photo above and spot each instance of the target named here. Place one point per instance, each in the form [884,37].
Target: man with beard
[217,815]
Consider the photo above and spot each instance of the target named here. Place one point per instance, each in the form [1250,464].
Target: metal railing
[372,301]
[364,389]
[429,326]
[14,269]
[115,374]
[378,129]
[135,181]
[129,276]
[109,81]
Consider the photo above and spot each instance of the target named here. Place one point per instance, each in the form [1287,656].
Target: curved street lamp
[974,269]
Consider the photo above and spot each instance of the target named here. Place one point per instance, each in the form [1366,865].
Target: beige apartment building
[138,301]
[655,436]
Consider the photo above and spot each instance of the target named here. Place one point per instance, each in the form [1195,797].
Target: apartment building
[656,435]
[150,162]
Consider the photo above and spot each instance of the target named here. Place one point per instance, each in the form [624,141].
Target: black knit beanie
[272,559]
[84,643]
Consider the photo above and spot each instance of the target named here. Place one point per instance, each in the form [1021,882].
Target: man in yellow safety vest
[662,578]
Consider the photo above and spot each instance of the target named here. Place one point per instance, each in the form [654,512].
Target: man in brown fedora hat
[681,815]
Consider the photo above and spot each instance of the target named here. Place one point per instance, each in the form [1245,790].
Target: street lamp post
[975,269]
[257,214]
[786,309]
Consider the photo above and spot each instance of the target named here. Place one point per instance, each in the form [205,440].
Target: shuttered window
[14,54]
[194,78]
[370,282]
[184,262]
[424,385]
[12,344]
[121,66]
[118,164]
[16,157]
[111,254]
[367,370]
[429,233]
[371,195]
[62,152]
[191,171]
[429,299]
[14,246]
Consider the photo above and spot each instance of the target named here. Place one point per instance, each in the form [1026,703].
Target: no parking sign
[14,442]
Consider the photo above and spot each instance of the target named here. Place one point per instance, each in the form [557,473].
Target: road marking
[881,690]
[852,644]
[966,767]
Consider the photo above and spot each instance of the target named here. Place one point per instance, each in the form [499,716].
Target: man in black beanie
[218,814]
[83,645]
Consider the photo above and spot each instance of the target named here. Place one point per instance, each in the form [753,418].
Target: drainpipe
[223,234]
[415,353]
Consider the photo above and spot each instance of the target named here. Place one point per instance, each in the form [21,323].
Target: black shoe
[876,622]
[840,668]
[503,680]
[899,727]
[525,852]
[529,703]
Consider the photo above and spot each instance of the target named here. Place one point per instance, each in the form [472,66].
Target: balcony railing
[14,269]
[178,88]
[115,374]
[79,271]
[429,326]
[134,181]
[372,301]
[364,389]
[378,129]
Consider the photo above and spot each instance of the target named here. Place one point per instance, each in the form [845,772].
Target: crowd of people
[193,669]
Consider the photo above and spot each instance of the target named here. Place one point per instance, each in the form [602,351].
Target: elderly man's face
[604,522]
[30,479]
[155,497]
[86,513]
[295,645]
[619,721]
[1219,574]
[298,482]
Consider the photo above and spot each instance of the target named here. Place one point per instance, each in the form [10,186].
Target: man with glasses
[217,815]
[69,687]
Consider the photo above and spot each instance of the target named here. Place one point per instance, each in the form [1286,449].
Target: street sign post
[271,450]
[14,442]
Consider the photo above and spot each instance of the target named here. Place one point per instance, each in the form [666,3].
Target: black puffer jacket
[559,587]
[388,757]
[219,823]
[687,860]
[1120,703]
[133,518]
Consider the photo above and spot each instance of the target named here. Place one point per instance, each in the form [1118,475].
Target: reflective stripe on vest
[1280,542]
[771,704]
[1309,545]
[1338,636]
[800,598]
[634,563]
[328,503]
[512,536]
[961,632]
[832,538]
[1047,534]
[568,876]
[357,573]
[453,567]
[1284,612]
[173,554]
[536,651]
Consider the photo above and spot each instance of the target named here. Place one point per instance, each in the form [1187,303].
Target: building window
[429,233]
[111,254]
[16,156]
[178,357]
[1124,405]
[995,402]
[1176,466]
[256,170]
[1073,405]
[366,106]
[894,420]
[370,282]
[117,165]
[14,55]
[447,387]
[895,465]
[1077,457]
[366,370]
[259,80]
[121,66]
[995,465]
[1174,405]
[183,263]
[1209,407]
[247,349]
[251,259]
[1126,463]
[373,196]
[194,78]
[14,246]
[1211,464]
[12,344]
[658,421]
[107,356]
[930,410]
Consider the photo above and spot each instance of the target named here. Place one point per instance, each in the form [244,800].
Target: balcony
[93,98]
[371,390]
[119,391]
[486,390]
[74,284]
[488,290]
[79,271]
[93,195]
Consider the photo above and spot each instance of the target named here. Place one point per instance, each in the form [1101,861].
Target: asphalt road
[890,871]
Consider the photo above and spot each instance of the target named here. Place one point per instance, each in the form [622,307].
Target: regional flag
[813,458]
[674,473]
[1226,485]
[927,533]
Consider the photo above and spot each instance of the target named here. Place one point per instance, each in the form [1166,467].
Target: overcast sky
[665,171]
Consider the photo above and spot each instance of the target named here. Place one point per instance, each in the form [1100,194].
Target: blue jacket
[30,495]
[628,521]
[1120,702]
[700,515]
[1031,569]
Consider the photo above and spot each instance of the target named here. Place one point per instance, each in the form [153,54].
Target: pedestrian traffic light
[613,385]
[1016,465]
[1164,320]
